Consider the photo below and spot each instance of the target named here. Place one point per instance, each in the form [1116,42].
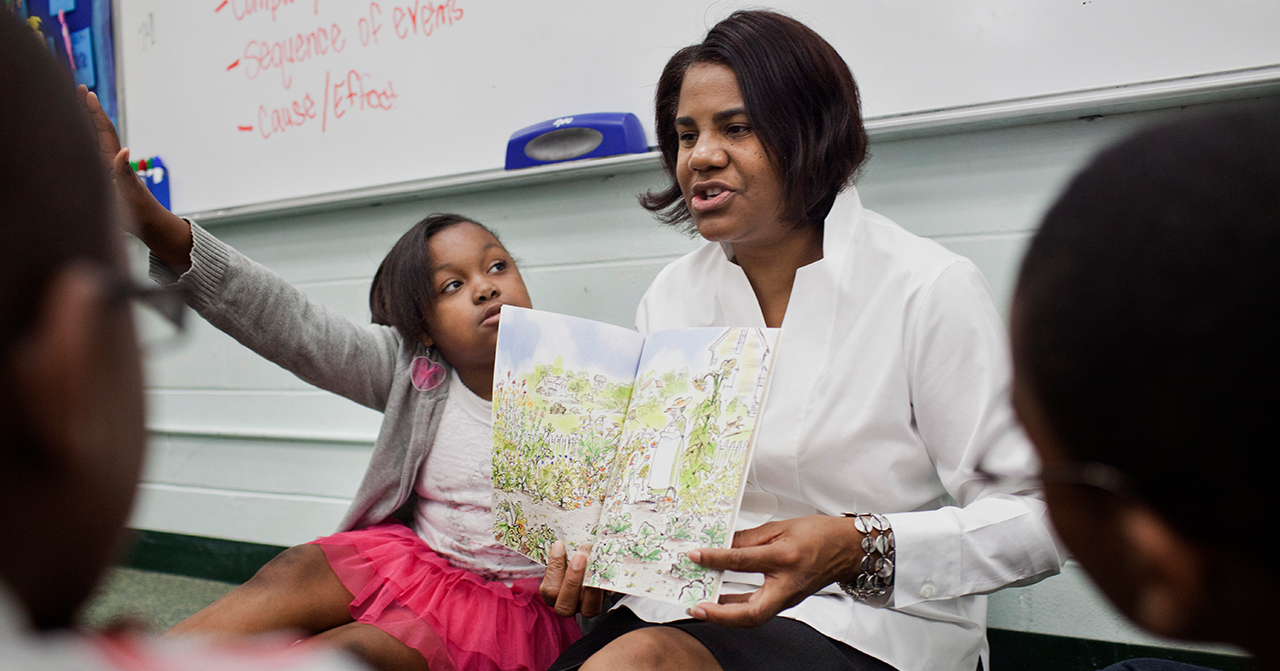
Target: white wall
[242,450]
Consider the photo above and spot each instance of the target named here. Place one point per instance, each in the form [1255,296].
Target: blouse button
[927,591]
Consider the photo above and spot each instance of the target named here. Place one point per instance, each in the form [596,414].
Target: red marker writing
[219,9]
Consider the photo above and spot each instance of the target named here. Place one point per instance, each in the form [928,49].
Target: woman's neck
[771,269]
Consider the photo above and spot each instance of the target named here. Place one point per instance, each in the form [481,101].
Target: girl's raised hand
[166,234]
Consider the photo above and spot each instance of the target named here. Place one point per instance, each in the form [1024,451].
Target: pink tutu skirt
[456,619]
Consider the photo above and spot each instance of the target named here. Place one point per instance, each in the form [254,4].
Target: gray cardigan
[367,364]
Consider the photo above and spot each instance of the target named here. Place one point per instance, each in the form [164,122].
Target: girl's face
[730,186]
[473,276]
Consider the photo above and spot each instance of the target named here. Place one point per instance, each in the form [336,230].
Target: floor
[155,600]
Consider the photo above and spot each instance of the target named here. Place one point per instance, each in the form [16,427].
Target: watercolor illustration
[560,393]
[681,466]
[638,446]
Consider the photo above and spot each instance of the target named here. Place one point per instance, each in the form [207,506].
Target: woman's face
[730,186]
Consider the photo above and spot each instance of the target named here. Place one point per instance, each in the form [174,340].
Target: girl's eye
[498,266]
[450,286]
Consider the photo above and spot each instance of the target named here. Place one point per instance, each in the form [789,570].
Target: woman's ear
[1168,573]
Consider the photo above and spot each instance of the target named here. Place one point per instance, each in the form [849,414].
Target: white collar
[837,229]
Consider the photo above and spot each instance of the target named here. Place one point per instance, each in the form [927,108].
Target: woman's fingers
[752,552]
[552,579]
[592,601]
[562,583]
[569,599]
[746,610]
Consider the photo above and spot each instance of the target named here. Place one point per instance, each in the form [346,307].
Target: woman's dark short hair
[402,292]
[802,101]
[1146,319]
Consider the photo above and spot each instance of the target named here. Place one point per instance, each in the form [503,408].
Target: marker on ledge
[155,176]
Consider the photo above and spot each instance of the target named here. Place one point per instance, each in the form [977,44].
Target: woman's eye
[688,138]
[739,129]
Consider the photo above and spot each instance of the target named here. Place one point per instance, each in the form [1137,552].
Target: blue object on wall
[82,47]
[574,137]
[156,177]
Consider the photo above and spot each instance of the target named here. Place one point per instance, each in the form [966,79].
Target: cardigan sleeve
[268,315]
[959,372]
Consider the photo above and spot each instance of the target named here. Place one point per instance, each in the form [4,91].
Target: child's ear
[53,366]
[1168,573]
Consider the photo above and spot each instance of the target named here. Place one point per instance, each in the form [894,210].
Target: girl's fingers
[108,139]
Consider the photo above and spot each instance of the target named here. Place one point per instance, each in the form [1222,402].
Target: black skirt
[780,643]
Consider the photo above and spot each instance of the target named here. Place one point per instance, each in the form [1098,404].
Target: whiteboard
[255,101]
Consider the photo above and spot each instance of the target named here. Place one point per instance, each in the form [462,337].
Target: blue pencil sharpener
[574,137]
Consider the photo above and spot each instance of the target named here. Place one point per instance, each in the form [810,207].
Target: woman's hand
[166,234]
[562,584]
[797,557]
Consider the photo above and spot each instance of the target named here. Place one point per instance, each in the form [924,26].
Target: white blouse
[890,387]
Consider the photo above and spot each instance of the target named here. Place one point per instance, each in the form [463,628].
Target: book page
[560,390]
[682,465]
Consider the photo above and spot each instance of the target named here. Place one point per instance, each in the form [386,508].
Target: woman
[890,388]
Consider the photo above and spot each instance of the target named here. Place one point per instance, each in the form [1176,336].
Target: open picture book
[638,446]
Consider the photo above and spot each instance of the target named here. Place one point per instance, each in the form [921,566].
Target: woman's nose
[707,154]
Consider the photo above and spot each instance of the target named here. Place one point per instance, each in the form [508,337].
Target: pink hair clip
[427,374]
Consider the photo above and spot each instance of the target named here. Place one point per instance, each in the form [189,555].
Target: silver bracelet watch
[875,575]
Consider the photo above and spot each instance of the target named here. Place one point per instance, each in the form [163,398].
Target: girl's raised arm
[166,234]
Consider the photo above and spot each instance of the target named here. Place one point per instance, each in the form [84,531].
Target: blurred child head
[71,413]
[1146,338]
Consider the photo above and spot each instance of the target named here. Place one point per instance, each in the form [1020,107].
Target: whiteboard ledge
[1215,87]
[436,186]
[264,435]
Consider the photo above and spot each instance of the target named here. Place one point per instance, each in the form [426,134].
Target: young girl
[440,593]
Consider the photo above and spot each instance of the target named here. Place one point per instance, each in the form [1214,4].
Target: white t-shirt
[891,385]
[455,491]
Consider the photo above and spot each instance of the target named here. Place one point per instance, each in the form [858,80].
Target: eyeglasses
[1091,474]
[159,313]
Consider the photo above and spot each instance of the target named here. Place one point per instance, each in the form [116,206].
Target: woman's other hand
[797,557]
[562,583]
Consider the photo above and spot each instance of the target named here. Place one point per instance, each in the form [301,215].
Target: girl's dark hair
[402,292]
[801,99]
[1145,319]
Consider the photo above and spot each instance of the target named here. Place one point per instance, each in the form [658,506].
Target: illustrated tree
[699,453]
